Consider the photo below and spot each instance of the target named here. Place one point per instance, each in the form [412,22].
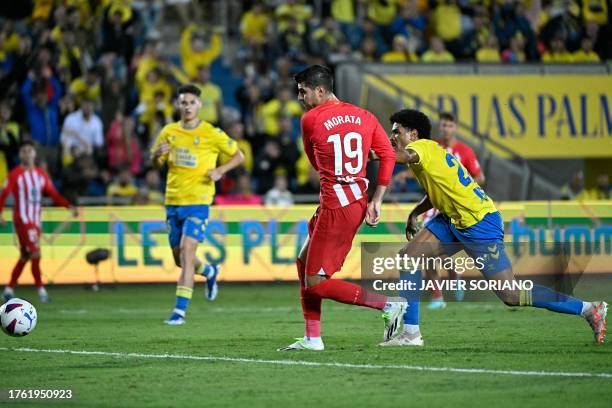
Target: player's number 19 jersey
[448,184]
[337,138]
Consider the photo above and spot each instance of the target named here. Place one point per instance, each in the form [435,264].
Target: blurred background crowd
[92,81]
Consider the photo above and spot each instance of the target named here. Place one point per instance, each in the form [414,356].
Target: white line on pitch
[314,363]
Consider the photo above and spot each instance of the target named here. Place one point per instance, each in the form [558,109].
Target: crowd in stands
[92,81]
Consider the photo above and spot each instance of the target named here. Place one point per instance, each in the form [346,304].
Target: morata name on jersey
[340,120]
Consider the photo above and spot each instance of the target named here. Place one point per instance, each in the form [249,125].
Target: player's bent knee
[314,280]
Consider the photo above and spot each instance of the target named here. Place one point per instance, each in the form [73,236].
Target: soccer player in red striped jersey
[337,139]
[27,183]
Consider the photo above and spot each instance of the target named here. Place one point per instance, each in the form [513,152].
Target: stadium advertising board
[260,244]
[550,116]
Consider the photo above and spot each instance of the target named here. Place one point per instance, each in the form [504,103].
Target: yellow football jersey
[192,153]
[449,185]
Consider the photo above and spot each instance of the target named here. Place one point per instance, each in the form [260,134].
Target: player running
[467,157]
[190,148]
[27,183]
[337,138]
[467,216]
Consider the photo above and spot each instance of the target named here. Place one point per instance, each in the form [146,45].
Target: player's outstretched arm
[412,221]
[236,160]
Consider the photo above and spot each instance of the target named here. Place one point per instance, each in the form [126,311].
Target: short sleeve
[421,148]
[225,144]
[163,137]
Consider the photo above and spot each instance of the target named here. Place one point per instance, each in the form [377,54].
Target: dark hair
[316,75]
[27,142]
[189,89]
[413,119]
[448,116]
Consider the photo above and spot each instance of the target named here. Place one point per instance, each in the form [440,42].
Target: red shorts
[29,237]
[331,233]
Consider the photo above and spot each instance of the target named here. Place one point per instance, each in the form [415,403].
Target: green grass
[252,321]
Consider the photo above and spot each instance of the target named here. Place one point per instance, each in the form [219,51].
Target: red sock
[17,272]
[36,272]
[311,305]
[349,293]
[437,293]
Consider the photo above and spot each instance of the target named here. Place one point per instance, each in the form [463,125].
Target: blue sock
[412,313]
[183,296]
[546,298]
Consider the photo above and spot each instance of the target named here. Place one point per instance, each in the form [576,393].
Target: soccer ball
[18,317]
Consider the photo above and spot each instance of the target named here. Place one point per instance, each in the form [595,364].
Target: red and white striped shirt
[27,187]
[337,138]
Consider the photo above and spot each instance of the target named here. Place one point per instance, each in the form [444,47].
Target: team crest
[196,141]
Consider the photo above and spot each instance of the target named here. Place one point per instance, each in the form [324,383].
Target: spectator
[508,22]
[151,190]
[236,132]
[409,22]
[327,39]
[79,179]
[557,53]
[41,105]
[476,36]
[198,48]
[279,195]
[123,148]
[382,13]
[86,88]
[155,82]
[283,105]
[516,53]
[602,189]
[490,52]
[211,97]
[566,26]
[147,61]
[82,133]
[156,115]
[575,190]
[402,51]
[123,188]
[293,42]
[437,53]
[292,10]
[366,29]
[9,141]
[254,25]
[267,164]
[243,194]
[116,31]
[368,52]
[447,25]
[585,53]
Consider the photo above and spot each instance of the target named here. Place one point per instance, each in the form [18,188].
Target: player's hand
[161,150]
[412,226]
[74,211]
[373,213]
[215,174]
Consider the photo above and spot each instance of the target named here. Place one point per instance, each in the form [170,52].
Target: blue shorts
[484,240]
[189,220]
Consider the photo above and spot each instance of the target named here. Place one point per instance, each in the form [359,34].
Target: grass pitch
[251,321]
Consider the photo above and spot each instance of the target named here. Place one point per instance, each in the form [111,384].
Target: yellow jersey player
[190,149]
[469,219]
